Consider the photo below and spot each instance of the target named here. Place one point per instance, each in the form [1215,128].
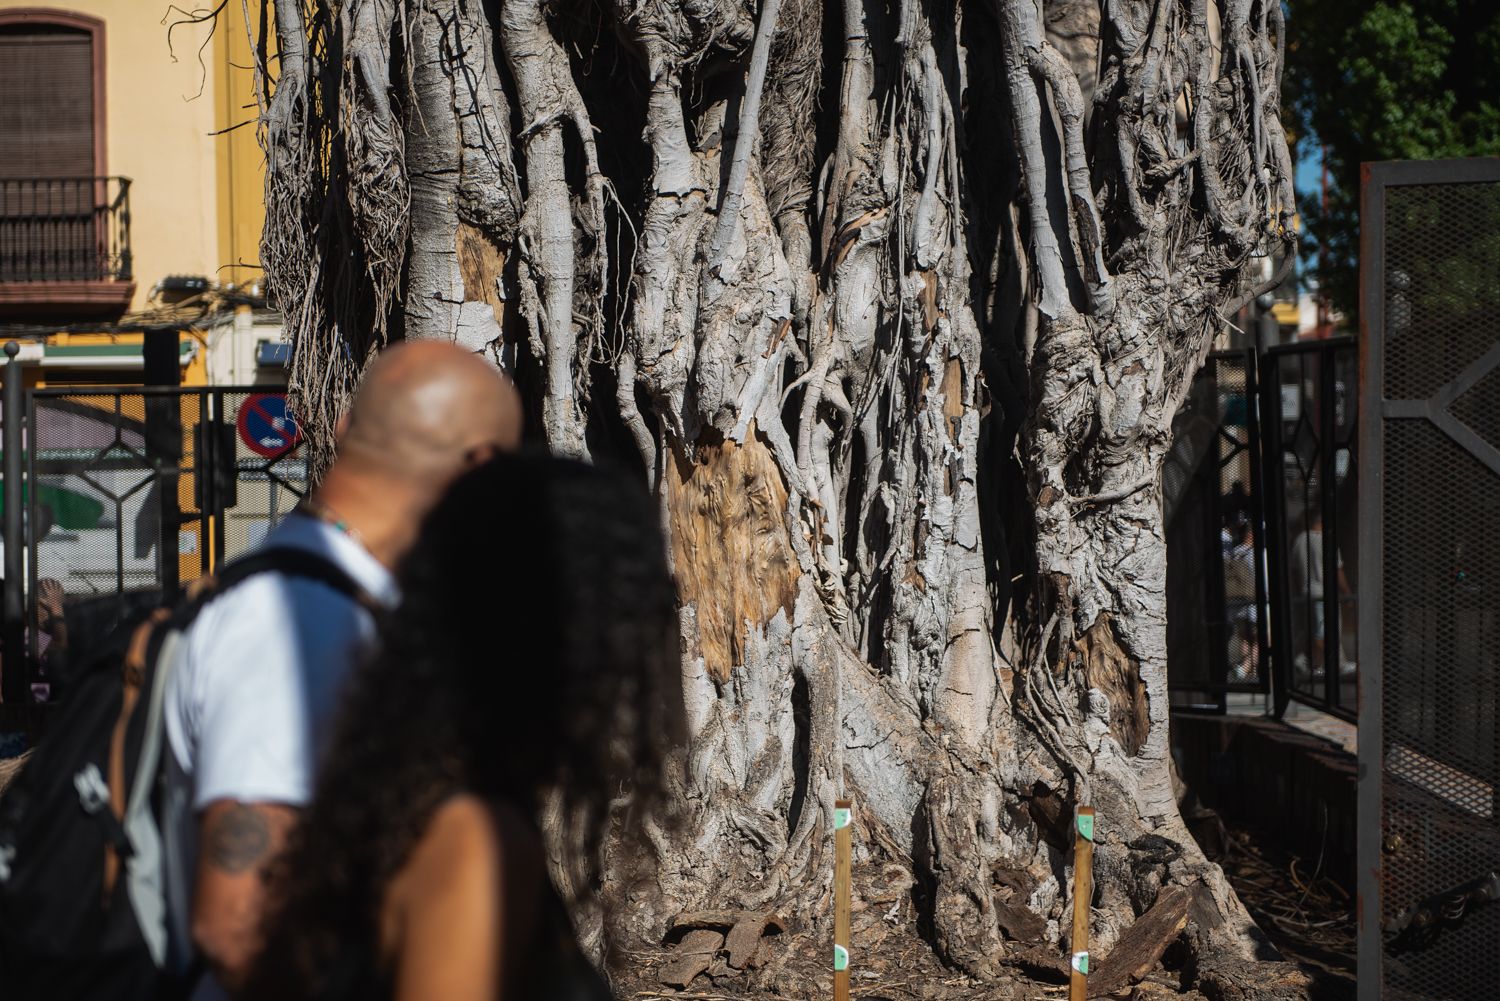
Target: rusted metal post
[1083,893]
[843,816]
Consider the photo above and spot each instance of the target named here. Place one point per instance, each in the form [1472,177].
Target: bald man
[251,695]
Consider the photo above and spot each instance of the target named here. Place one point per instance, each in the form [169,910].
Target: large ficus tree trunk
[892,304]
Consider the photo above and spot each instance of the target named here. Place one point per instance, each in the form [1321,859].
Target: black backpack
[82,900]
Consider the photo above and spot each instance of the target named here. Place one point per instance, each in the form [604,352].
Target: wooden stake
[1083,893]
[842,818]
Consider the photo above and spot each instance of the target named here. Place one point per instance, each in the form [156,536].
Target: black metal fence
[145,490]
[1312,479]
[1261,491]
[1217,640]
[65,229]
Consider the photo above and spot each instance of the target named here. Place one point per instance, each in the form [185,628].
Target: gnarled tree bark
[895,304]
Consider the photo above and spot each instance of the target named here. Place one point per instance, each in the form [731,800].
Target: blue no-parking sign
[266,428]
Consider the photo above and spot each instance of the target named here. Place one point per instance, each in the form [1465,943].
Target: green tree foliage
[1386,80]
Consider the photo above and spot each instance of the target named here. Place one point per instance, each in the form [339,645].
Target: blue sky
[1309,180]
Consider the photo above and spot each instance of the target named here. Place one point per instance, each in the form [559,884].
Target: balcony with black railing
[65,248]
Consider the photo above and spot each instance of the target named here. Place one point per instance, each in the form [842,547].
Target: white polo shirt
[250,701]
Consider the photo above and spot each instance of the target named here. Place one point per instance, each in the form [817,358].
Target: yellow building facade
[131,189]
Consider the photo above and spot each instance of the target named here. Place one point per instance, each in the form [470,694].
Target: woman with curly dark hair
[531,668]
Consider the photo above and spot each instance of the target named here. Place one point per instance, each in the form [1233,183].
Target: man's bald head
[425,410]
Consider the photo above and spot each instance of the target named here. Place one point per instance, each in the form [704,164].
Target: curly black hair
[534,657]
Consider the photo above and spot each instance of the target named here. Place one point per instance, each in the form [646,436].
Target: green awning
[104,352]
[71,511]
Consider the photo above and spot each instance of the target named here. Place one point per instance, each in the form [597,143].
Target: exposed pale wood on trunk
[735,568]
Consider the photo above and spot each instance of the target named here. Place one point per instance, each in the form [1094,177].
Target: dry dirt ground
[1304,914]
[1308,916]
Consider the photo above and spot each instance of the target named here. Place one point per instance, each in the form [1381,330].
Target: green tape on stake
[1081,962]
[842,818]
[1086,829]
[840,958]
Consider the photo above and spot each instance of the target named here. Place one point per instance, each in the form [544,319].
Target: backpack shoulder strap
[286,560]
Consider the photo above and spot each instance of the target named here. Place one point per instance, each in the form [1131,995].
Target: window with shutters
[65,246]
[61,219]
[47,115]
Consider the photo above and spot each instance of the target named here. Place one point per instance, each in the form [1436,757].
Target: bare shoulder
[467,822]
[460,847]
[470,845]
[452,917]
[462,828]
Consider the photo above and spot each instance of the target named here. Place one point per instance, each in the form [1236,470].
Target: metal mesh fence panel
[112,491]
[147,490]
[1429,746]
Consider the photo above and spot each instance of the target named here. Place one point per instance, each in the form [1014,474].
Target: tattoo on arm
[238,839]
